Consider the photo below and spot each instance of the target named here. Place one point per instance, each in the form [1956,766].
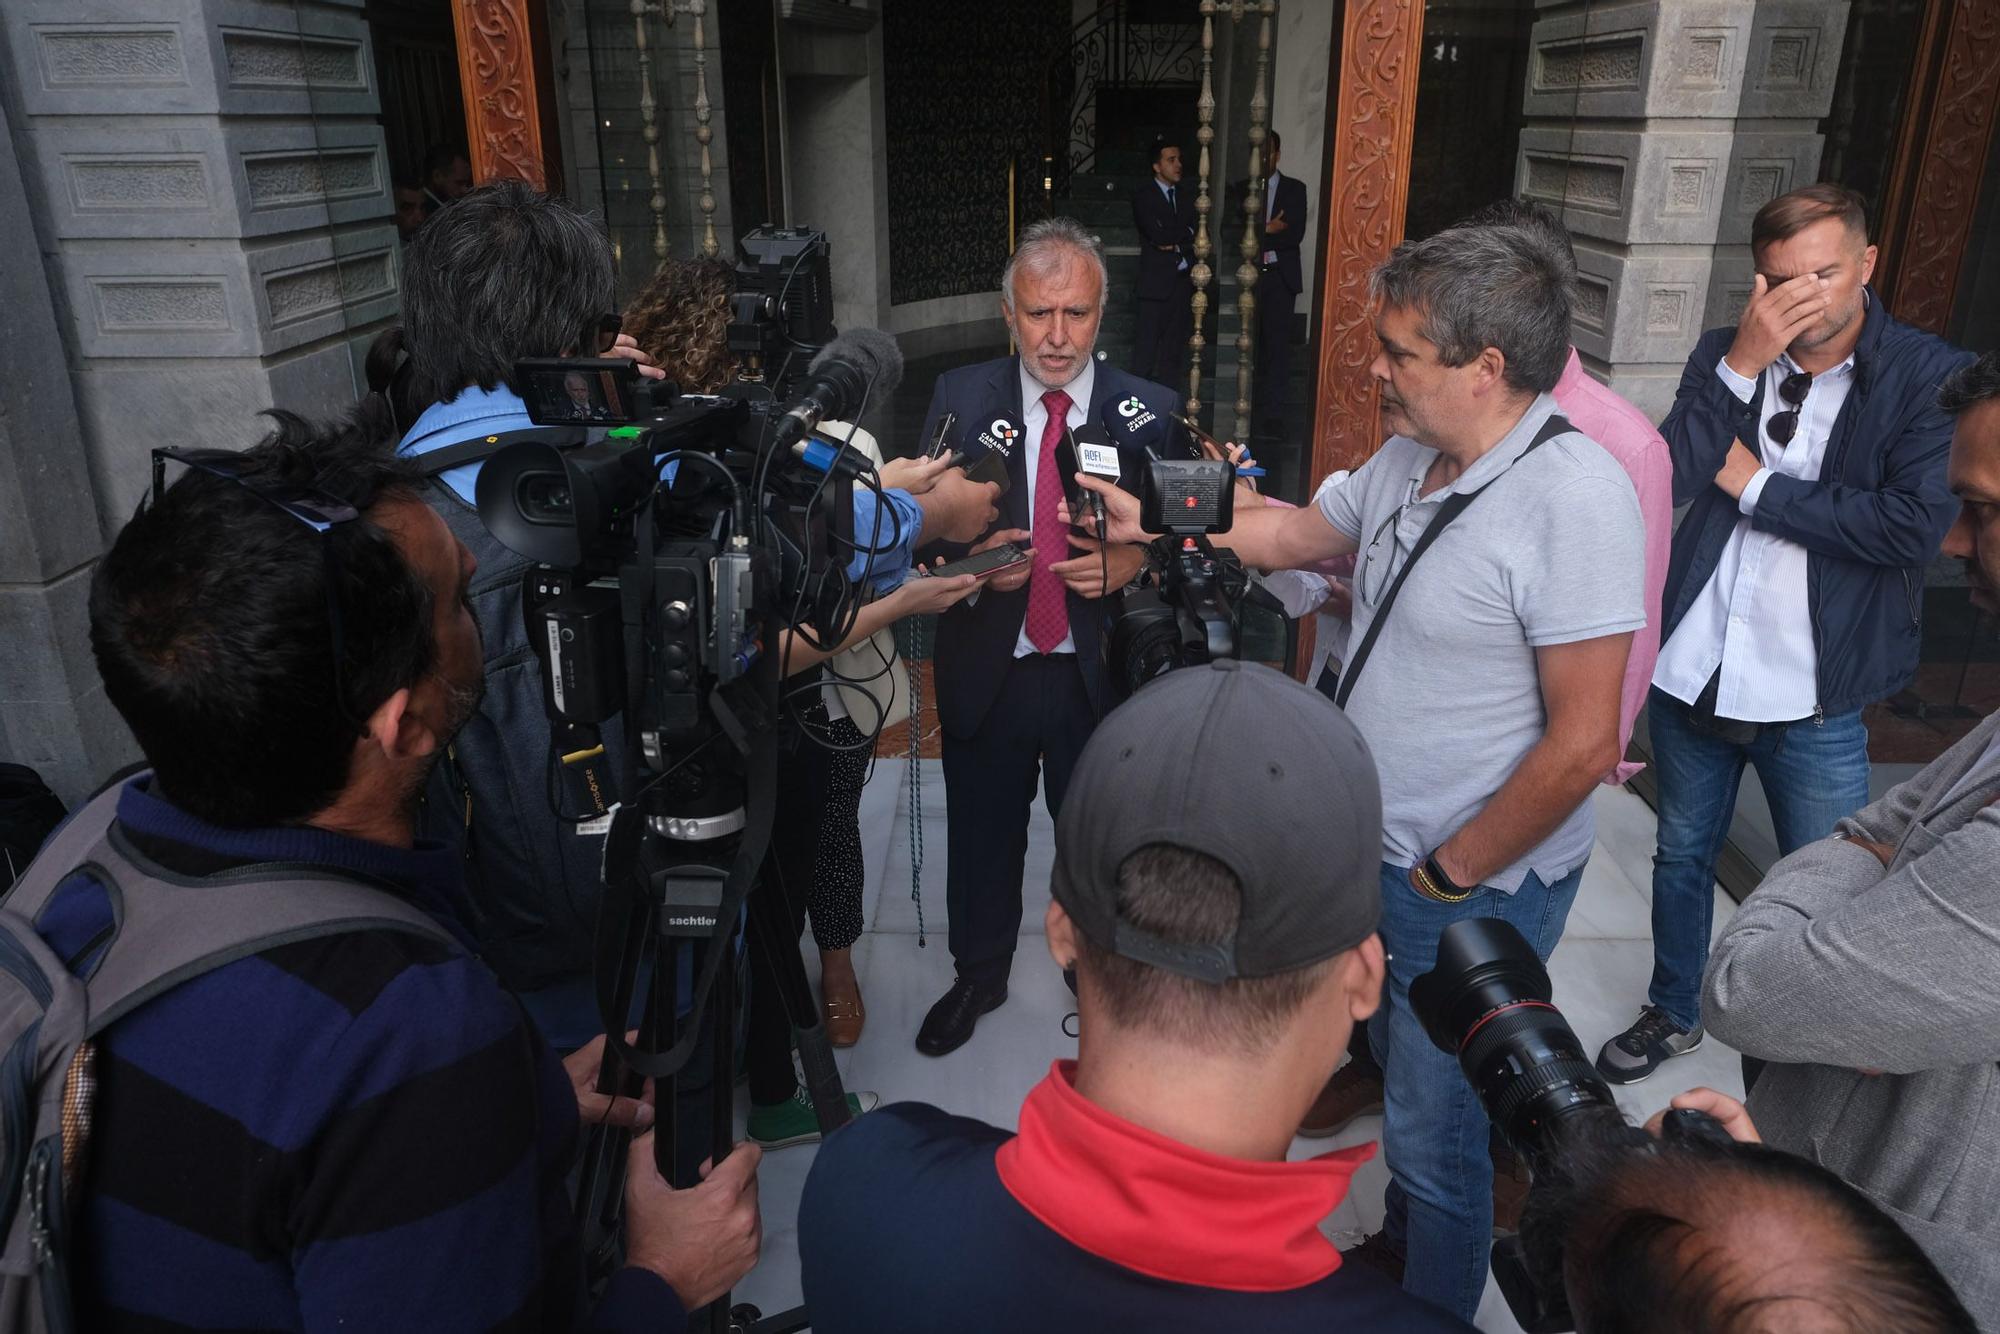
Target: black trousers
[1272,374]
[1036,728]
[1160,348]
[803,770]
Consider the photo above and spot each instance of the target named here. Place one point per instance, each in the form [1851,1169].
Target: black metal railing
[1108,50]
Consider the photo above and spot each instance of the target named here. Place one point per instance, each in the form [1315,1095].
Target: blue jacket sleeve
[639,1301]
[886,533]
[1903,521]
[1705,418]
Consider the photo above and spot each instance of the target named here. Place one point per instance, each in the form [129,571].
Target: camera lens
[1487,1002]
[544,497]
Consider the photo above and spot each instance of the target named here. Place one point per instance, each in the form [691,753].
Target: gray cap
[1245,765]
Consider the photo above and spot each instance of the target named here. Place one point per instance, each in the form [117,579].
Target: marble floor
[1600,971]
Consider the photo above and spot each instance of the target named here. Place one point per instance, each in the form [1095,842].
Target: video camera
[675,537]
[1486,1001]
[1192,610]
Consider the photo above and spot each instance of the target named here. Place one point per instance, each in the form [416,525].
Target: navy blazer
[1870,524]
[1160,273]
[1291,202]
[976,638]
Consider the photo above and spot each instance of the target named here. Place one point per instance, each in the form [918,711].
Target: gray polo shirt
[1450,700]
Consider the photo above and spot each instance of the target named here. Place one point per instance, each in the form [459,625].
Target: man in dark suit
[1163,211]
[1279,282]
[1019,670]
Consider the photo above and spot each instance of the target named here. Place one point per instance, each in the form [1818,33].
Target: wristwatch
[1431,881]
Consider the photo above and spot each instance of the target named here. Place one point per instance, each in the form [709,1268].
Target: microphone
[1128,421]
[1099,457]
[986,450]
[839,377]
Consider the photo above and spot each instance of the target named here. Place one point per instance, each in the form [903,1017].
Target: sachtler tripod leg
[775,939]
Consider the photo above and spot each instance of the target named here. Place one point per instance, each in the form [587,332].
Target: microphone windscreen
[1097,451]
[1130,422]
[986,448]
[872,351]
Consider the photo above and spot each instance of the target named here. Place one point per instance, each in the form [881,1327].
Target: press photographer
[333,1116]
[1218,973]
[1690,1224]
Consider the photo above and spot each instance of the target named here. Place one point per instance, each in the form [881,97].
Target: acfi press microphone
[1099,459]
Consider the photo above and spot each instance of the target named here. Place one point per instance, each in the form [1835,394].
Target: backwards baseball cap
[1245,765]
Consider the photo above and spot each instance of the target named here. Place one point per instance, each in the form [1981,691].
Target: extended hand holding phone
[1215,449]
[1006,556]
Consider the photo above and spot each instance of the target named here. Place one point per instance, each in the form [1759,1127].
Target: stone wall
[207,213]
[1656,130]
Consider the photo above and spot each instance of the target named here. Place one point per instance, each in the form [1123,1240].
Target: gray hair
[1971,384]
[1047,246]
[1540,225]
[1481,287]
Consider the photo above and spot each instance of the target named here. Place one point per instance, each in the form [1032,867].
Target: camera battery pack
[582,651]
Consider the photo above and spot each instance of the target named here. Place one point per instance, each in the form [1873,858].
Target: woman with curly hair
[682,320]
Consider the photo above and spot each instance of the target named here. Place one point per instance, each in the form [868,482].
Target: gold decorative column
[1253,214]
[668,11]
[1201,273]
[703,135]
[650,126]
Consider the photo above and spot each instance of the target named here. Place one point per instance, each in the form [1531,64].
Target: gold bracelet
[1431,889]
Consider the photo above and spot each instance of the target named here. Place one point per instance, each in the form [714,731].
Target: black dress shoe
[949,1024]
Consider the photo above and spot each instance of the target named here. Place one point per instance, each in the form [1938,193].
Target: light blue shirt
[476,412]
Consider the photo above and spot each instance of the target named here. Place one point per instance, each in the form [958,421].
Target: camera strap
[437,462]
[1454,505]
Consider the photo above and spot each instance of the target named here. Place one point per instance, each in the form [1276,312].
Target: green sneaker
[780,1125]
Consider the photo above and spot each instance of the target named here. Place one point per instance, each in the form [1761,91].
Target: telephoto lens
[1486,1001]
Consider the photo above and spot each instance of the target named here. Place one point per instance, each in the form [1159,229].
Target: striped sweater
[358,1132]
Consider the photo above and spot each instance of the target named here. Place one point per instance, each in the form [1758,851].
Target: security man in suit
[1279,282]
[1163,211]
[1019,668]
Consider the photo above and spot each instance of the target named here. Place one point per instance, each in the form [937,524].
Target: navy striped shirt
[359,1132]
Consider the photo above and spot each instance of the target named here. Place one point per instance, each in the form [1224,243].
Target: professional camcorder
[675,537]
[1191,610]
[1486,1001]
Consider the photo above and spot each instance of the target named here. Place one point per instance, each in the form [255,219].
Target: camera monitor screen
[595,391]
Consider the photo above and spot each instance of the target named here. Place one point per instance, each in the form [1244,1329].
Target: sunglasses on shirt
[1784,425]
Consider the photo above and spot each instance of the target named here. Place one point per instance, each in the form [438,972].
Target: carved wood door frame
[1370,127]
[506,69]
[1933,193]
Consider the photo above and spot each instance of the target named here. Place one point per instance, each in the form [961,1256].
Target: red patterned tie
[1048,609]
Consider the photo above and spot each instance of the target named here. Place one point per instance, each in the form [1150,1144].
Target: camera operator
[1489,691]
[1863,968]
[508,273]
[1218,972]
[1702,1233]
[354,1130]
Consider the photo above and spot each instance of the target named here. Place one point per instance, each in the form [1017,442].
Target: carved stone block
[1628,186]
[1762,167]
[109,177]
[1639,308]
[320,285]
[1661,58]
[1794,58]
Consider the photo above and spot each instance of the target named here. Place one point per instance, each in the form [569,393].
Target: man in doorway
[1279,282]
[1810,442]
[1163,213]
[447,176]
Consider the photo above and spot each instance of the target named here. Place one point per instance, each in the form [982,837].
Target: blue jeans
[1813,773]
[1440,1199]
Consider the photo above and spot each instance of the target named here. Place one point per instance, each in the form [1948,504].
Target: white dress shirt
[1034,417]
[1752,618]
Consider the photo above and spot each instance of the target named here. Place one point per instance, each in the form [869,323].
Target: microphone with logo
[1129,421]
[983,453]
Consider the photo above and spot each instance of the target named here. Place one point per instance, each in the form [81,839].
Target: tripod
[682,867]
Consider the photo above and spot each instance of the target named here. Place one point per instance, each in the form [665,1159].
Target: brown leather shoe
[1350,1094]
[843,1015]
